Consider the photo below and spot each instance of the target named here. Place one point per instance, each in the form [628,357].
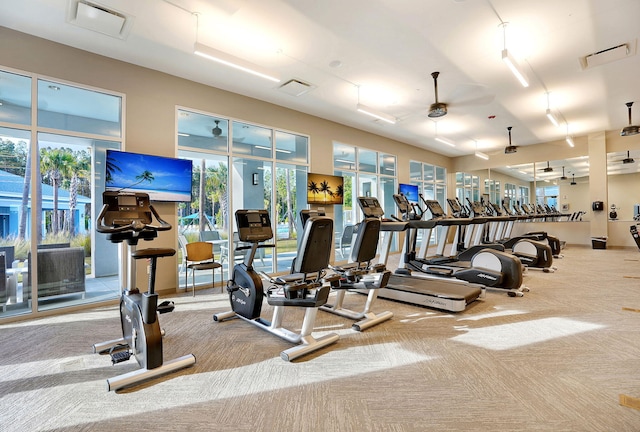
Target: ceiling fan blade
[471,94]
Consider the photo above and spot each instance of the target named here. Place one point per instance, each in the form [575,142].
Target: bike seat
[153,252]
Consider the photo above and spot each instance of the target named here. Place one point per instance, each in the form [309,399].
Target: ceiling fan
[216,131]
[437,109]
[573,180]
[464,94]
[563,176]
[547,168]
[631,129]
[510,148]
[628,159]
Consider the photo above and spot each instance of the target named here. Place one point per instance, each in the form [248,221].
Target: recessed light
[335,64]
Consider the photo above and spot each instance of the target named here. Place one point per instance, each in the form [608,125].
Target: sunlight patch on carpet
[87,402]
[515,335]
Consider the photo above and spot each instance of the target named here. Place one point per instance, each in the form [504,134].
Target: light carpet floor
[556,359]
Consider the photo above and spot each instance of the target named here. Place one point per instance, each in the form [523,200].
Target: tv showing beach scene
[163,178]
[324,189]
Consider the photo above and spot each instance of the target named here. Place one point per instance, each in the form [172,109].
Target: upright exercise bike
[303,288]
[127,218]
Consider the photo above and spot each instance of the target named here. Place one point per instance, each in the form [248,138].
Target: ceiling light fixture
[373,112]
[569,138]
[446,141]
[510,61]
[232,61]
[442,139]
[481,155]
[552,118]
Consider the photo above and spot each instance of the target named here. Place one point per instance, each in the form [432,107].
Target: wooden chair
[199,256]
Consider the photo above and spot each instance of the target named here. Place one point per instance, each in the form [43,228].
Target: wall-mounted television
[410,191]
[324,189]
[163,178]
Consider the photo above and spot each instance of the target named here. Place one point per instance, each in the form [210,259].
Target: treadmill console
[455,205]
[435,208]
[124,208]
[477,208]
[371,207]
[253,225]
[402,202]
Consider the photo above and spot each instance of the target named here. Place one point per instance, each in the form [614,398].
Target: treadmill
[444,294]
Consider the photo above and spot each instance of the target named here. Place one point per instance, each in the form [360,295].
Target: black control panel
[253,225]
[123,208]
[371,207]
[435,208]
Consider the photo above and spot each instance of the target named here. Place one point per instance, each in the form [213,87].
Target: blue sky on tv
[169,174]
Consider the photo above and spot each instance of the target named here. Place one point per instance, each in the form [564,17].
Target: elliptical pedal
[120,356]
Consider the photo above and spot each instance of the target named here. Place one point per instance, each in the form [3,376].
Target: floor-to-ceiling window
[239,165]
[547,196]
[54,136]
[467,188]
[432,183]
[492,190]
[366,173]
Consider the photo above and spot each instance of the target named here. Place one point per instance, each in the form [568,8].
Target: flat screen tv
[410,191]
[324,189]
[163,178]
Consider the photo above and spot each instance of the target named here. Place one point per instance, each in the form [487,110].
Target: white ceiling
[386,51]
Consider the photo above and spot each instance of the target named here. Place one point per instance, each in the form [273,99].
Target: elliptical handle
[102,228]
[164,225]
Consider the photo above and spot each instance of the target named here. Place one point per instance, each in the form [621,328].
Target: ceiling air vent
[296,87]
[609,55]
[101,19]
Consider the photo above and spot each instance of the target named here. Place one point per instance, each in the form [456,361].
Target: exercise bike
[303,288]
[360,275]
[127,218]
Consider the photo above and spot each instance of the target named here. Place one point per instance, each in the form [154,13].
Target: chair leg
[222,284]
[193,282]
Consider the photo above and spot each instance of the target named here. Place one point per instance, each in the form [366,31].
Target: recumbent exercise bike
[127,218]
[305,288]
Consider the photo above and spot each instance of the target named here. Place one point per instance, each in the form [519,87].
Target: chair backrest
[9,253]
[365,245]
[199,251]
[347,235]
[3,278]
[209,235]
[315,248]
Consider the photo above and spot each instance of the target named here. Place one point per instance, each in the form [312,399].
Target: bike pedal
[119,357]
[166,306]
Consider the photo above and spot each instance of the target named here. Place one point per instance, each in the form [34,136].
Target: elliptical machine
[127,218]
[482,265]
[305,287]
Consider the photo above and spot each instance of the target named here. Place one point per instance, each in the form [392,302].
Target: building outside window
[51,190]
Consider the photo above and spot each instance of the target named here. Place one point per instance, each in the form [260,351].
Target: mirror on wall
[623,173]
[563,183]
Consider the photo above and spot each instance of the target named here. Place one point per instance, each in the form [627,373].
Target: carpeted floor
[555,360]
